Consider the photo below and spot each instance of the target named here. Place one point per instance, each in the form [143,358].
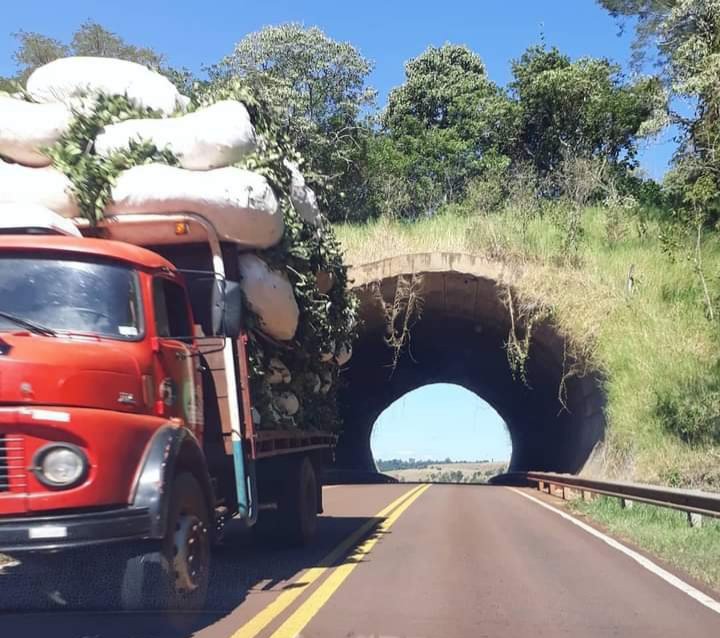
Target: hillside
[626,290]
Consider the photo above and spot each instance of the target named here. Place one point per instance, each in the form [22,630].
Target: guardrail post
[626,503]
[694,519]
[541,485]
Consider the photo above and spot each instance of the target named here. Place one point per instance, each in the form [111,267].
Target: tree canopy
[319,87]
[448,124]
[648,16]
[91,39]
[582,108]
[95,40]
[686,33]
[436,129]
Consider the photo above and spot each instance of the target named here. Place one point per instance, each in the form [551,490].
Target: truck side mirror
[225,308]
[217,306]
[232,315]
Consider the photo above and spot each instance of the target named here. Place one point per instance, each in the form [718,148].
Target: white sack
[327,381]
[46,187]
[215,136]
[278,372]
[68,79]
[20,217]
[327,357]
[270,296]
[241,204]
[343,355]
[26,127]
[313,382]
[325,281]
[286,403]
[302,196]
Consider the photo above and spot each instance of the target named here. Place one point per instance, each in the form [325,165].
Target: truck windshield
[69,296]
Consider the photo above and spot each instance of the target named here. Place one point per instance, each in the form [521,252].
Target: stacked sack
[99,136]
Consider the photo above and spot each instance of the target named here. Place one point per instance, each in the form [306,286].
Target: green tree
[95,40]
[318,85]
[690,40]
[34,50]
[686,35]
[90,39]
[648,16]
[449,131]
[436,127]
[581,108]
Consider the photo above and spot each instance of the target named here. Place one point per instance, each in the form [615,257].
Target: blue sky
[440,421]
[389,32]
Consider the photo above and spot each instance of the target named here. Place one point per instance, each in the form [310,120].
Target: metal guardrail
[695,502]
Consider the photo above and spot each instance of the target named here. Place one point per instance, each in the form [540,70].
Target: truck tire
[28,585]
[298,504]
[176,574]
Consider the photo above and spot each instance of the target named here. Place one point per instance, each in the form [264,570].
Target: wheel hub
[191,549]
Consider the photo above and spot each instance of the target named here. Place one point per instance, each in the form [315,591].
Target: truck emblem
[126,398]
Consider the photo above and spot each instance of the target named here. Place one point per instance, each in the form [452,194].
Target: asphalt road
[407,561]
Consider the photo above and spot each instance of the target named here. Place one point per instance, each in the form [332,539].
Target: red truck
[126,421]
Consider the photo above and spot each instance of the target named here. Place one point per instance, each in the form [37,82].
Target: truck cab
[126,418]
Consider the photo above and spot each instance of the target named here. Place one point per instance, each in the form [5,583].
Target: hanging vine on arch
[402,313]
[523,319]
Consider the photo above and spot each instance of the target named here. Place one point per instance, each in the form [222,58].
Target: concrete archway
[460,338]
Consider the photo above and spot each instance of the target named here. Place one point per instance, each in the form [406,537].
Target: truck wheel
[298,505]
[175,575]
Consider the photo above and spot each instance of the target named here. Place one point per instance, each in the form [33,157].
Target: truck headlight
[60,465]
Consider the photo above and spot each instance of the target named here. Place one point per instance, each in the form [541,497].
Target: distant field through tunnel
[460,338]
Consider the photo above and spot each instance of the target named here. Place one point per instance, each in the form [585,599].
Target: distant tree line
[413,464]
[437,475]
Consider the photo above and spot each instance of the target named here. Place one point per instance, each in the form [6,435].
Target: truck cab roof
[104,248]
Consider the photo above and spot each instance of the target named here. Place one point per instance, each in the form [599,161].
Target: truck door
[178,393]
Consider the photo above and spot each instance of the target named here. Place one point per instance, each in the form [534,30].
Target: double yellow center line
[302,616]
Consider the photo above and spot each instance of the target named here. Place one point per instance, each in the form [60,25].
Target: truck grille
[12,472]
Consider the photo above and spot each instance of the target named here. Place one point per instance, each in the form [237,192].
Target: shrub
[692,410]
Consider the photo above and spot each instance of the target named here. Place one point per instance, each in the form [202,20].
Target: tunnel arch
[460,339]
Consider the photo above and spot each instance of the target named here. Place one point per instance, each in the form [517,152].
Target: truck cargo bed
[269,443]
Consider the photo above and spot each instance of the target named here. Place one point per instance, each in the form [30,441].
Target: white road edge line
[669,578]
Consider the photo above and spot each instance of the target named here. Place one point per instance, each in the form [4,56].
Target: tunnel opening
[409,444]
[555,419]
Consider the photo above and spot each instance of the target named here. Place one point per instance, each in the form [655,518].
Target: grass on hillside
[663,532]
[652,342]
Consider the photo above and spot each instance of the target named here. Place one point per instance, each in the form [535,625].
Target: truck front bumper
[67,531]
